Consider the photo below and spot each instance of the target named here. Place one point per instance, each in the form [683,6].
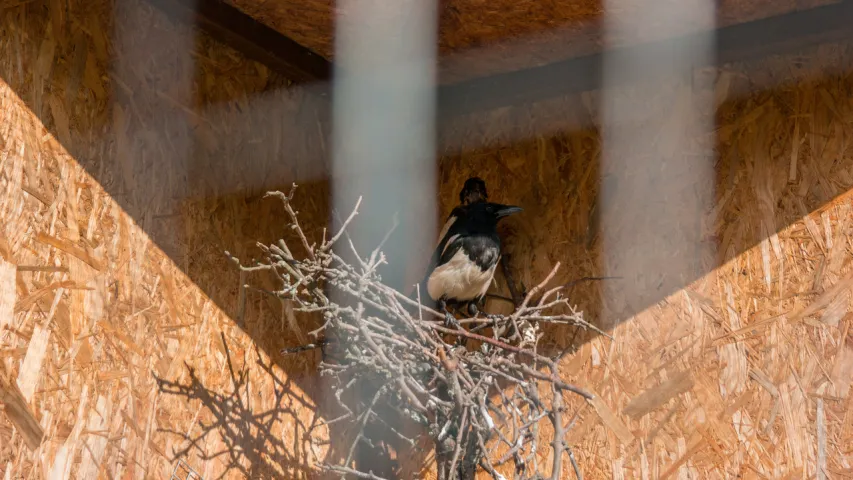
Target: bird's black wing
[451,228]
[449,247]
[449,223]
[480,251]
[484,250]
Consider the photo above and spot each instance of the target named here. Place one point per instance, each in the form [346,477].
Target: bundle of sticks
[479,390]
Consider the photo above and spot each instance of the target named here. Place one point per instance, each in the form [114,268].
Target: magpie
[473,191]
[464,261]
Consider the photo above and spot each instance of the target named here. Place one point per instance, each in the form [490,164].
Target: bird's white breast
[459,279]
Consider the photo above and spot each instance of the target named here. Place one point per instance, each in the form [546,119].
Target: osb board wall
[98,397]
[97,314]
[745,372]
[123,141]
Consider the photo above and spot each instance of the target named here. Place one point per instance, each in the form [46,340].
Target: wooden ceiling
[526,51]
[466,25]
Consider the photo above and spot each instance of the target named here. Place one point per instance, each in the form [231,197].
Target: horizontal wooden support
[231,26]
[773,35]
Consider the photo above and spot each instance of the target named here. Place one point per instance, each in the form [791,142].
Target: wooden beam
[774,35]
[257,41]
[759,38]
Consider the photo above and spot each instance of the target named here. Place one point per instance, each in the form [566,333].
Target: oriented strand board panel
[115,182]
[745,369]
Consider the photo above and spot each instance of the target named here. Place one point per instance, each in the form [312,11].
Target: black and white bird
[463,264]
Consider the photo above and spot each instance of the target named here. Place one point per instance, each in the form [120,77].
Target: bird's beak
[508,210]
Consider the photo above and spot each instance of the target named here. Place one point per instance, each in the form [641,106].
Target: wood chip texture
[103,109]
[133,153]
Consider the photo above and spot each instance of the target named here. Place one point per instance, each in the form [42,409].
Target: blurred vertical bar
[658,160]
[154,70]
[384,103]
[384,126]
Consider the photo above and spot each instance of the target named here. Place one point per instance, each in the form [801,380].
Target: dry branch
[414,367]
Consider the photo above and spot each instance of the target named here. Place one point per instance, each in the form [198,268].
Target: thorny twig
[400,350]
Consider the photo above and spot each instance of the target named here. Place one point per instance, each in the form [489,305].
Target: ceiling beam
[233,27]
[760,38]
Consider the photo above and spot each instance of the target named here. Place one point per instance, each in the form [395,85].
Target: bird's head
[473,191]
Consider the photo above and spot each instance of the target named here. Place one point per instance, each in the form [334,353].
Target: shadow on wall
[186,136]
[249,443]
